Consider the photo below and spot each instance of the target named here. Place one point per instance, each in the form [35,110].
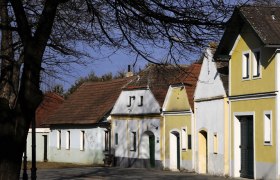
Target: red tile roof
[158,78]
[190,77]
[51,102]
[90,103]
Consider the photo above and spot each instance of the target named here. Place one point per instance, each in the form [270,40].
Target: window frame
[133,140]
[258,62]
[82,140]
[267,143]
[184,139]
[246,57]
[116,139]
[58,139]
[215,143]
[67,142]
[189,141]
[106,140]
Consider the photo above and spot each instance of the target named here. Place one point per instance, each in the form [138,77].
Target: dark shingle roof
[223,70]
[90,103]
[264,21]
[51,102]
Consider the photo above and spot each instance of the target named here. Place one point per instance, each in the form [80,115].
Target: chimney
[129,73]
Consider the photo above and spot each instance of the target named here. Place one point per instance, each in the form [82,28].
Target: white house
[79,130]
[51,102]
[211,117]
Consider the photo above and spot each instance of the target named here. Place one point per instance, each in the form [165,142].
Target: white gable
[209,82]
[136,102]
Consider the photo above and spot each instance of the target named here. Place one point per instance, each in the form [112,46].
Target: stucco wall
[123,126]
[40,133]
[94,147]
[264,155]
[210,118]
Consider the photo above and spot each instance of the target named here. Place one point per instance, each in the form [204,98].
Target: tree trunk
[13,133]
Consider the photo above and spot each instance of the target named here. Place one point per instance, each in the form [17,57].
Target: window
[184,139]
[116,138]
[256,64]
[130,100]
[58,139]
[267,128]
[189,141]
[245,66]
[82,140]
[106,145]
[133,141]
[215,145]
[141,101]
[67,140]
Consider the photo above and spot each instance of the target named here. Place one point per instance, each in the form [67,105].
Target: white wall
[124,127]
[210,117]
[40,132]
[93,152]
[209,83]
[150,105]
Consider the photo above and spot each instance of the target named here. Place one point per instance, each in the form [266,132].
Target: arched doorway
[202,152]
[147,148]
[174,150]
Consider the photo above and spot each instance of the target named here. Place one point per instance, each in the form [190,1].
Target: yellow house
[251,43]
[178,121]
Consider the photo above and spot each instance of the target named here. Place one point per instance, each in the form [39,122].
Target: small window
[133,141]
[267,128]
[67,140]
[256,64]
[116,138]
[245,66]
[106,141]
[58,139]
[215,150]
[82,140]
[189,141]
[141,101]
[184,139]
[131,98]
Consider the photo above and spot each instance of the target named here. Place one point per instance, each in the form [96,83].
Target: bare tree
[33,33]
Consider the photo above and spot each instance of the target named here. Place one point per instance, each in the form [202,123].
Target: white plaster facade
[210,118]
[87,144]
[136,113]
[42,147]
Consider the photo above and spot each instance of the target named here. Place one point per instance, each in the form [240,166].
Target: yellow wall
[263,152]
[226,136]
[248,42]
[178,99]
[177,122]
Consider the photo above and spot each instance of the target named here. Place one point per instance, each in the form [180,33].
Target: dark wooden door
[178,152]
[45,147]
[152,150]
[247,147]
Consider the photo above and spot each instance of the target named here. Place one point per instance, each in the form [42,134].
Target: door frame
[236,165]
[176,133]
[45,149]
[200,133]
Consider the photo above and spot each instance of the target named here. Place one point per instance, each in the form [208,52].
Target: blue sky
[102,64]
